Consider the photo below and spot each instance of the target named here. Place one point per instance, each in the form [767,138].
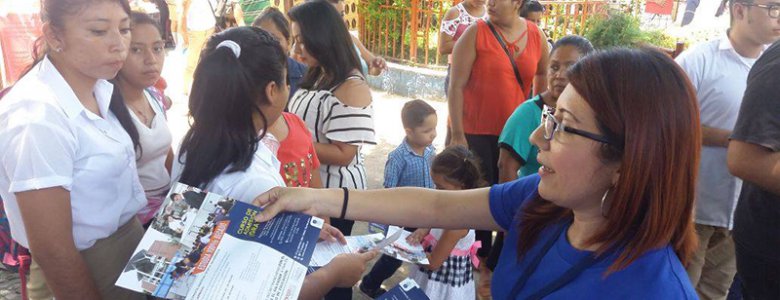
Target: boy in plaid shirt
[408,165]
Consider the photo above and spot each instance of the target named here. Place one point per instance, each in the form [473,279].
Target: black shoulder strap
[511,59]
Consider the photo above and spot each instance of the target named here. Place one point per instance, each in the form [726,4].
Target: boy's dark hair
[414,113]
[530,7]
[459,166]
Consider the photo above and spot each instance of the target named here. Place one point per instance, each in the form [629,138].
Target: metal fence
[407,30]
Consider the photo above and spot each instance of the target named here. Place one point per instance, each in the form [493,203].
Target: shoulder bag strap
[511,59]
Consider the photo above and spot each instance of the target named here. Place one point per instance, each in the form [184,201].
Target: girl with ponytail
[451,252]
[239,90]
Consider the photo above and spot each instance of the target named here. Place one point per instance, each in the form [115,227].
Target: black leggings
[486,148]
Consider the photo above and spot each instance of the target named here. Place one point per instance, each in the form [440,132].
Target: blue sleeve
[393,168]
[506,198]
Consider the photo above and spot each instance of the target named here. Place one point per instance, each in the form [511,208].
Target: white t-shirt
[155,144]
[200,17]
[49,139]
[719,76]
[261,176]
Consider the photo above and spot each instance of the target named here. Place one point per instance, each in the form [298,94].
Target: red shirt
[492,92]
[296,153]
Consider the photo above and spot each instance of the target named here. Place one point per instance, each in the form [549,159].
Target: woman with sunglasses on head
[609,215]
[69,181]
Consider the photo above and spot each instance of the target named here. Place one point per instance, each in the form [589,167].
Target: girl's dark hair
[530,7]
[54,13]
[139,18]
[275,16]
[582,44]
[327,39]
[117,105]
[226,92]
[458,165]
[651,205]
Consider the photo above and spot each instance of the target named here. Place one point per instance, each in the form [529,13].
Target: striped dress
[330,120]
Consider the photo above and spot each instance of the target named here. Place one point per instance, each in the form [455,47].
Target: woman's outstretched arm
[412,207]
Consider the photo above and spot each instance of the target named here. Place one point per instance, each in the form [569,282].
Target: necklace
[141,114]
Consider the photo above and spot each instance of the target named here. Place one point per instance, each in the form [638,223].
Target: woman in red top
[484,90]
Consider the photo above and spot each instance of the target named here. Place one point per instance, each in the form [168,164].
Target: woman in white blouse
[144,115]
[68,177]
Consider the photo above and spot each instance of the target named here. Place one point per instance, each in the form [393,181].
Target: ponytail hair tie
[233,46]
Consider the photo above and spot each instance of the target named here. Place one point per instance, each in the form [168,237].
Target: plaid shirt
[406,168]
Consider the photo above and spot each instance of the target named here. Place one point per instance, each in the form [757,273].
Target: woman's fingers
[267,197]
[332,234]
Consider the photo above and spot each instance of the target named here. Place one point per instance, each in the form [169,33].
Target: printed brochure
[405,290]
[205,246]
[394,245]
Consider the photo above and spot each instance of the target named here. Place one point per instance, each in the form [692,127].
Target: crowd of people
[568,172]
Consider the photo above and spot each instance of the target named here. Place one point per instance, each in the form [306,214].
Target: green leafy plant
[616,29]
[620,29]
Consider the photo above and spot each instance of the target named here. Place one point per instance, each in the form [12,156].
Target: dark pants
[735,291]
[384,267]
[345,226]
[760,276]
[486,148]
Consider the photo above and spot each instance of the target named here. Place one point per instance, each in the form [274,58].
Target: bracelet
[346,202]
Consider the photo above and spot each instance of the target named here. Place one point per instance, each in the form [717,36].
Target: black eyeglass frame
[769,8]
[549,113]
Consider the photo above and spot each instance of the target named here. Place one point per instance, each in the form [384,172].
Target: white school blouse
[261,176]
[155,144]
[49,139]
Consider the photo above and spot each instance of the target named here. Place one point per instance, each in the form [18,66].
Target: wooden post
[414,27]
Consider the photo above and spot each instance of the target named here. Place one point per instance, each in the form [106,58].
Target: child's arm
[336,153]
[448,240]
[393,169]
[316,179]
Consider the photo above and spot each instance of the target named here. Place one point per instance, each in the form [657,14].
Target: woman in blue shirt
[609,214]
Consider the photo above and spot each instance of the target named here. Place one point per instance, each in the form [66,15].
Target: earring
[58,50]
[603,199]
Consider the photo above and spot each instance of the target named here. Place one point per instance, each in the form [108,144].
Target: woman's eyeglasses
[552,125]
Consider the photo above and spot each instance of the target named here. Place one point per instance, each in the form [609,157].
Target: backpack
[13,257]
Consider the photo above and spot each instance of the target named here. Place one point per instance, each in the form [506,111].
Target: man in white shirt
[718,70]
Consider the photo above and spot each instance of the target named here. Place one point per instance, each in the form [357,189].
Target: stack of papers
[394,245]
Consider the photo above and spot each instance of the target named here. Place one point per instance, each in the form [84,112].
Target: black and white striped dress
[330,120]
